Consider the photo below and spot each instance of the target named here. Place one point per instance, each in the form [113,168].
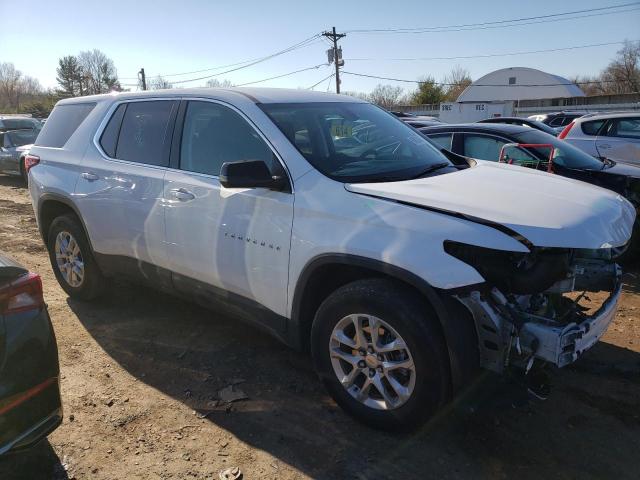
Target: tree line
[92,72]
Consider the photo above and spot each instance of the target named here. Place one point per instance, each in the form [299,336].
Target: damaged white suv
[402,268]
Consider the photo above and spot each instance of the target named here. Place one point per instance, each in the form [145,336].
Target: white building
[496,94]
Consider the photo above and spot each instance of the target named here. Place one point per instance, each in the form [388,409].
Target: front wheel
[378,349]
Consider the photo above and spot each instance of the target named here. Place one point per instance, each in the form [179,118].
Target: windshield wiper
[432,169]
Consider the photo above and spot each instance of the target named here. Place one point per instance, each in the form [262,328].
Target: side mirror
[250,174]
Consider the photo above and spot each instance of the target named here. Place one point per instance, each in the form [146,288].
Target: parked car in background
[422,123]
[8,122]
[525,146]
[615,136]
[14,147]
[524,122]
[339,228]
[557,120]
[30,406]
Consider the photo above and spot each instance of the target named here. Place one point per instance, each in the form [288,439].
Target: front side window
[355,142]
[214,134]
[143,132]
[442,140]
[565,154]
[62,123]
[625,127]
[485,147]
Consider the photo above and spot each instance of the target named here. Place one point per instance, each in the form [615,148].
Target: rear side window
[109,138]
[591,128]
[625,127]
[63,121]
[144,131]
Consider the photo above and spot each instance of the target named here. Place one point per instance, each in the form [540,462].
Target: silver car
[615,136]
[14,145]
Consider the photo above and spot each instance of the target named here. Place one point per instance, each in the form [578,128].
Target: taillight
[21,295]
[565,131]
[30,161]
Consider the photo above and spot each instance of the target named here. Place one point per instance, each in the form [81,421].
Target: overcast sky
[187,35]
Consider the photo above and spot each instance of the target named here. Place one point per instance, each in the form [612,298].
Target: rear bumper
[32,435]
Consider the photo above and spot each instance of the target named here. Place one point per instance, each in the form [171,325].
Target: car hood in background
[548,210]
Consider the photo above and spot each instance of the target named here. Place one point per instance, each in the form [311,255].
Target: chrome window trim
[110,111]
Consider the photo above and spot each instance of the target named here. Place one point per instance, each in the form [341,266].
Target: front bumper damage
[511,334]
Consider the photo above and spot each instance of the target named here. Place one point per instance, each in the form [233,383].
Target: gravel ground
[141,373]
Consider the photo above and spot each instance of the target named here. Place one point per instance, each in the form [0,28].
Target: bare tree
[215,83]
[386,96]
[457,80]
[98,72]
[622,75]
[159,83]
[16,88]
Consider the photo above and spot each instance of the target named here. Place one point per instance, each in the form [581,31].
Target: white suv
[402,268]
[615,136]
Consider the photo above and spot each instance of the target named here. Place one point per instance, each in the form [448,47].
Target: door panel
[234,239]
[120,198]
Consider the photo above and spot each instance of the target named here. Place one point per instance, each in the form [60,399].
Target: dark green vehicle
[30,406]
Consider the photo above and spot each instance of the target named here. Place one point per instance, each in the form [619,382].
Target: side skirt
[208,296]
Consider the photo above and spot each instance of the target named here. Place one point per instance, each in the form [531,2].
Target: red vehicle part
[524,146]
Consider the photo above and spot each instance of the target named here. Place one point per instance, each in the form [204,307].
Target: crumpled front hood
[548,210]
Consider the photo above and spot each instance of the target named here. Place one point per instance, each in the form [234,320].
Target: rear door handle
[182,194]
[92,177]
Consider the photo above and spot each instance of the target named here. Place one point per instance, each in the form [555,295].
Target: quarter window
[62,123]
[214,134]
[143,134]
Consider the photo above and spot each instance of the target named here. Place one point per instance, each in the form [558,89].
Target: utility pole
[143,79]
[337,54]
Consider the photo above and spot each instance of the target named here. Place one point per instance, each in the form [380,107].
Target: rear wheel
[72,260]
[378,350]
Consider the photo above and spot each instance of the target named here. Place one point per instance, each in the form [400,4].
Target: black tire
[414,320]
[94,283]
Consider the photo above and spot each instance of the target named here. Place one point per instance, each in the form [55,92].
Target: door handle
[92,177]
[182,194]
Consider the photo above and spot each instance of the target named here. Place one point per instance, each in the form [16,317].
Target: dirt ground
[141,373]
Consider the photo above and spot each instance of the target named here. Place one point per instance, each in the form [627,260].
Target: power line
[283,75]
[489,54]
[243,64]
[504,23]
[318,83]
[478,85]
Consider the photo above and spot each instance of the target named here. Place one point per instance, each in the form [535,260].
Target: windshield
[19,138]
[565,154]
[355,142]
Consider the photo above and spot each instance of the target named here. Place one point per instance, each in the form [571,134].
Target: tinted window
[625,127]
[564,154]
[144,131]
[214,134]
[63,121]
[591,128]
[109,137]
[18,138]
[443,140]
[17,123]
[355,142]
[558,122]
[482,147]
